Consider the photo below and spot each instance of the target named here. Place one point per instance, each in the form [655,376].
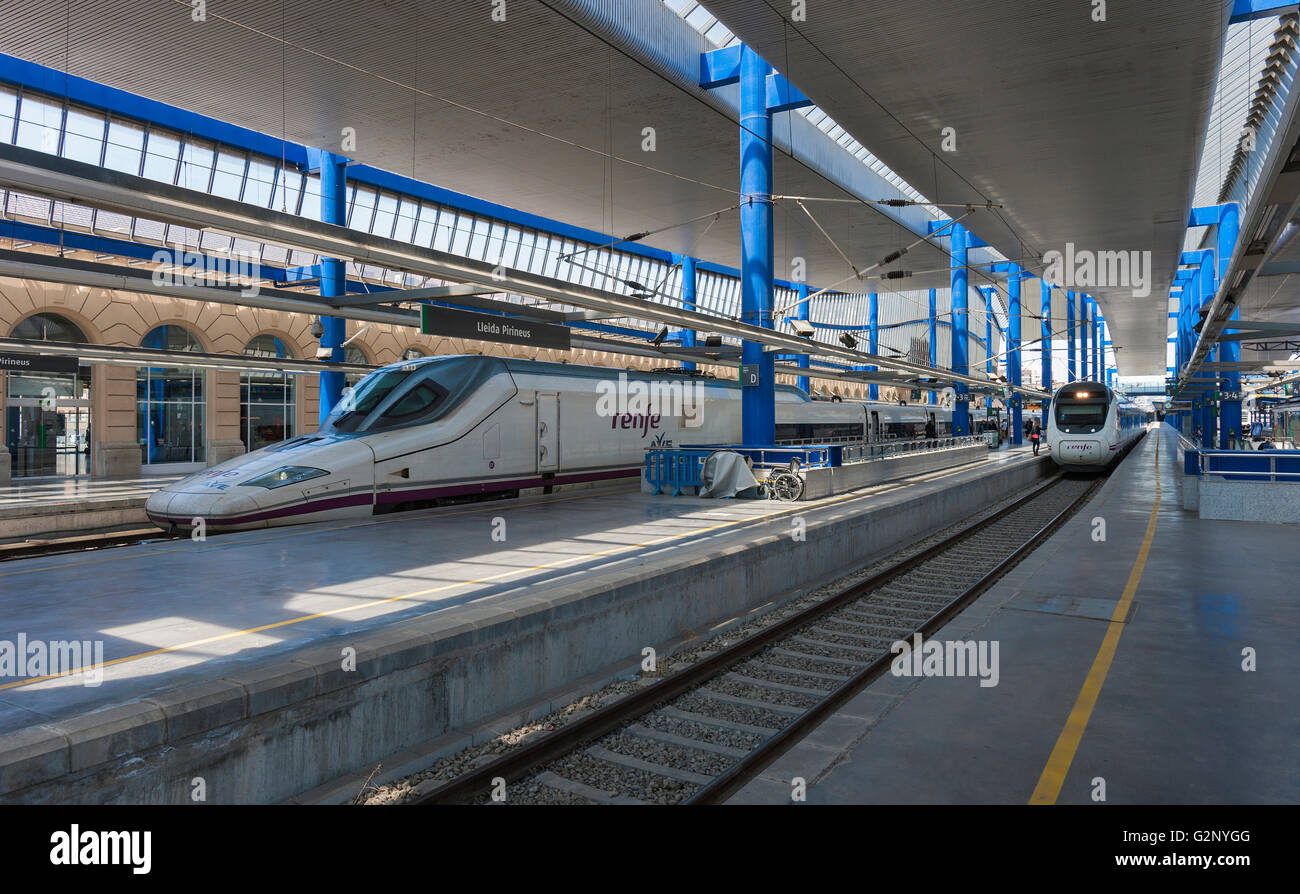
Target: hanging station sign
[490,327]
[36,363]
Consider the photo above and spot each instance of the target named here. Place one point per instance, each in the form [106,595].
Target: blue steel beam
[959,251]
[1248,10]
[762,92]
[333,209]
[687,336]
[1013,351]
[1045,347]
[803,381]
[873,339]
[934,338]
[1071,338]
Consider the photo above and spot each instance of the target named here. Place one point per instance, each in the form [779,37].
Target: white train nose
[167,508]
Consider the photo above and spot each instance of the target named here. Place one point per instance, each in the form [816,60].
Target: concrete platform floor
[169,613]
[29,496]
[1172,718]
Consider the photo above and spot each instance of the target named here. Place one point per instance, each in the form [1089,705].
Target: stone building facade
[108,423]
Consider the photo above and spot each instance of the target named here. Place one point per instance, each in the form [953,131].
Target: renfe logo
[633,421]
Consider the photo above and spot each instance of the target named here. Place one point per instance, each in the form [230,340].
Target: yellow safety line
[1067,744]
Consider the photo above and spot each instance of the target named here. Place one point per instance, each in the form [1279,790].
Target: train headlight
[285,475]
[1082,395]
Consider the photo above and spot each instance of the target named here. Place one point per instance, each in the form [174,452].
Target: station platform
[48,506]
[1121,672]
[485,604]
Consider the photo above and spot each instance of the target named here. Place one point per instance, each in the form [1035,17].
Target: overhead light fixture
[848,341]
[802,328]
[659,339]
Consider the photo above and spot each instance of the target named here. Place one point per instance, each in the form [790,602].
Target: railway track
[699,734]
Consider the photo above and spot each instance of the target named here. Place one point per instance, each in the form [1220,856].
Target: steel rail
[518,763]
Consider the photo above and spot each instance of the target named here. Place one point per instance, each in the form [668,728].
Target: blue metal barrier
[1244,465]
[677,469]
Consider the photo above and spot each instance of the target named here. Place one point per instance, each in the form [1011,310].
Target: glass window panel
[424,228]
[311,198]
[260,183]
[446,229]
[8,111]
[478,241]
[275,254]
[39,123]
[151,230]
[406,220]
[363,208]
[84,137]
[161,153]
[228,178]
[125,145]
[385,215]
[196,164]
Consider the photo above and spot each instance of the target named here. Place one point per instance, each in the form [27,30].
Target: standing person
[1035,434]
[930,432]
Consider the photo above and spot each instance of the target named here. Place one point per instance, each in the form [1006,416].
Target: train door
[875,426]
[548,432]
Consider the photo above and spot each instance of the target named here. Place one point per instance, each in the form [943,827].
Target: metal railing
[867,452]
[1209,462]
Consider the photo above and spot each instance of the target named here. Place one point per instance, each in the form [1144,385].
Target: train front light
[1082,395]
[285,475]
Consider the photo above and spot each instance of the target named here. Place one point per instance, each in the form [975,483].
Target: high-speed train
[1090,426]
[454,427]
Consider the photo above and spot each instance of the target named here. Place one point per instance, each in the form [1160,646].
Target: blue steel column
[1045,349]
[1207,275]
[960,322]
[1071,336]
[934,337]
[804,382]
[1084,373]
[333,279]
[688,303]
[988,341]
[873,339]
[1229,351]
[1013,353]
[758,404]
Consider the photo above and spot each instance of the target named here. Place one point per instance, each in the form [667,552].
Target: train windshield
[1081,414]
[412,395]
[360,401]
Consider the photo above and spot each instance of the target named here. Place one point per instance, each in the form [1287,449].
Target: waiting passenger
[931,432]
[1266,445]
[1034,435]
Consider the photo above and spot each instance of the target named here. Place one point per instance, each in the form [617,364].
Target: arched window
[47,413]
[354,354]
[171,402]
[266,399]
[49,327]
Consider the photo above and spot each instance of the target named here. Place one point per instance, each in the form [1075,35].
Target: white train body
[1090,426]
[439,428]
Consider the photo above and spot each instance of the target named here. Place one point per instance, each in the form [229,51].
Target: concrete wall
[275,730]
[1258,501]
